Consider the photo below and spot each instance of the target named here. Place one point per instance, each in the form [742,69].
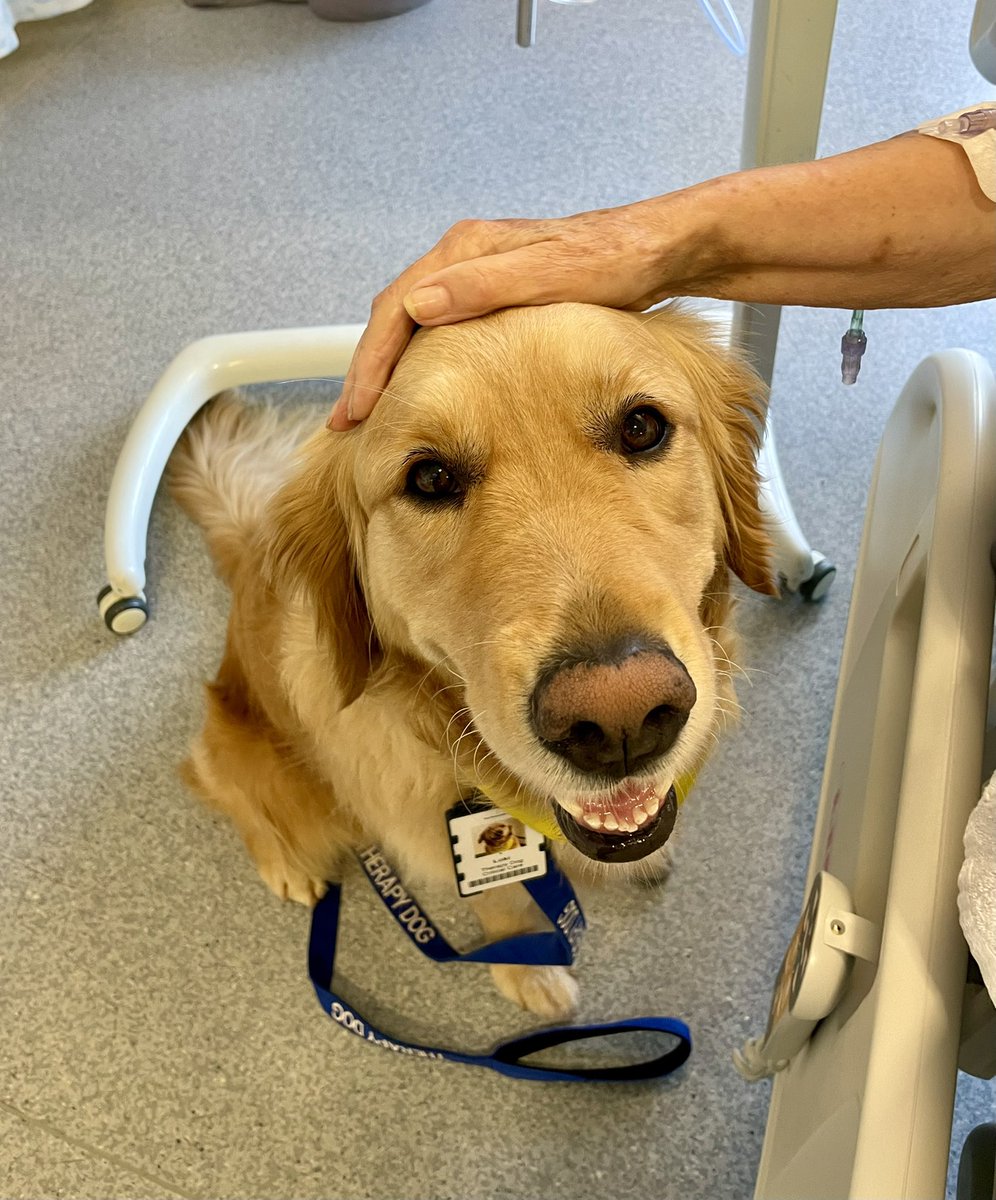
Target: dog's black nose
[613,711]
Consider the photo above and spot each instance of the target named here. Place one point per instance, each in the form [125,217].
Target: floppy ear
[733,413]
[309,549]
[732,405]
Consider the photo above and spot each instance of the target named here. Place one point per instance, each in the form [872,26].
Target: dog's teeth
[640,815]
[592,819]
[610,821]
[652,805]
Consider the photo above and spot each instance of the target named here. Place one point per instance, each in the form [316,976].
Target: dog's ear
[310,549]
[732,405]
[733,412]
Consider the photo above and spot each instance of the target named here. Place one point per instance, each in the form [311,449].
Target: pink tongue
[622,801]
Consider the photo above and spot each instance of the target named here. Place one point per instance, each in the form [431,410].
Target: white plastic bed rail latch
[813,973]
[853,934]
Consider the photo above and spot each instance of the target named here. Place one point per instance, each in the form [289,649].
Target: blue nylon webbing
[555,896]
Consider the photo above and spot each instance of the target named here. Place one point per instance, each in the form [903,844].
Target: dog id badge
[490,848]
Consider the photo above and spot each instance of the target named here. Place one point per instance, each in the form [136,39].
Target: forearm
[898,224]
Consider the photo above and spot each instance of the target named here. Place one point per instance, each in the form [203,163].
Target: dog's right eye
[643,429]
[431,479]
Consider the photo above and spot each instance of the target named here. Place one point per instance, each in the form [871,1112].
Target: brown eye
[643,429]
[433,480]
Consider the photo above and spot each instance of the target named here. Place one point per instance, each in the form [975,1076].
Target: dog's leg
[286,815]
[547,991]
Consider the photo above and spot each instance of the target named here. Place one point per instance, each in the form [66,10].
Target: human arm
[900,223]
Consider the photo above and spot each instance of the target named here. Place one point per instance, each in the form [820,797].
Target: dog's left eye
[433,480]
[643,429]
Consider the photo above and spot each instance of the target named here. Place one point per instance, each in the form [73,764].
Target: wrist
[695,248]
[747,228]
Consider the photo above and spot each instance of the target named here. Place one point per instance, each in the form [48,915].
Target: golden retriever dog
[514,577]
[496,838]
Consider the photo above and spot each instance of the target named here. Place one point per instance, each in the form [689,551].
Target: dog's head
[496,835]
[540,519]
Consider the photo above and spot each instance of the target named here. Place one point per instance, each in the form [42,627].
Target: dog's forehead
[524,371]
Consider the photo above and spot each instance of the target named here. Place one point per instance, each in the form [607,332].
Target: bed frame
[864,1091]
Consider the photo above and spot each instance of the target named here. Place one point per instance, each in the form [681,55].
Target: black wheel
[124,616]
[818,584]
[977,1169]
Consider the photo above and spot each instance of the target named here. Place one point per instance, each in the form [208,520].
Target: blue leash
[554,894]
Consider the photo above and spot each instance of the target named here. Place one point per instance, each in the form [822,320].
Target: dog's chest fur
[393,784]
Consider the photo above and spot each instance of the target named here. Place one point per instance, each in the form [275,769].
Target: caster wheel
[977,1169]
[126,614]
[818,584]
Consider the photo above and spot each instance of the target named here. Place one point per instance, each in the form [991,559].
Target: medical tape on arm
[974,129]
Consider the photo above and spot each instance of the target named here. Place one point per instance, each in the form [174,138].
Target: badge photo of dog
[513,577]
[498,836]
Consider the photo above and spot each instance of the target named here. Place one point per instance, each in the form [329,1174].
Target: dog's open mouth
[623,826]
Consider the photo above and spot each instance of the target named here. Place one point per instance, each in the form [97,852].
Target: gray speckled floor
[167,173]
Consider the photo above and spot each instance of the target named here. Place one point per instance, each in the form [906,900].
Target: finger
[539,273]
[375,357]
[339,420]
[373,363]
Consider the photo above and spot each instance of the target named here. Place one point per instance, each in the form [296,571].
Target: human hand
[629,257]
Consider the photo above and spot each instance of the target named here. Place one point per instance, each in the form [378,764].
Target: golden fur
[380,651]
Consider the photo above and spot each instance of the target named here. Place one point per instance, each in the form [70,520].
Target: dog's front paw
[290,883]
[546,991]
[282,871]
[286,879]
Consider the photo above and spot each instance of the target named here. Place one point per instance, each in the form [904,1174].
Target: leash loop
[668,1039]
